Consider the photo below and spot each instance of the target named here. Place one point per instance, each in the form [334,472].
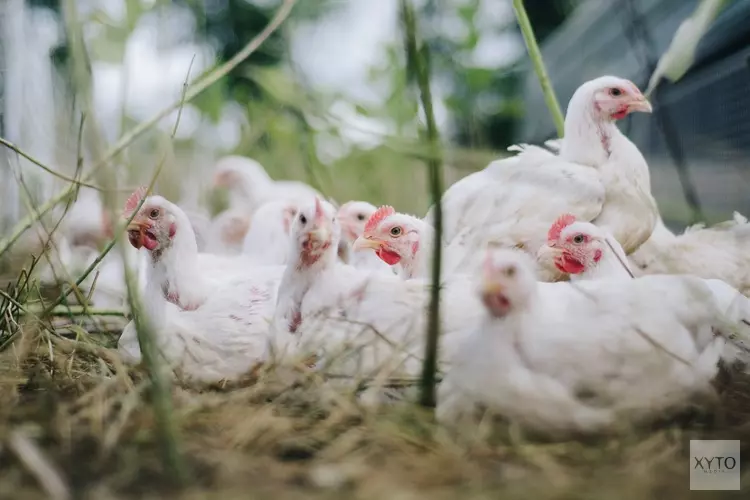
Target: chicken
[223,339]
[584,251]
[407,241]
[719,252]
[187,278]
[267,241]
[353,217]
[599,176]
[250,185]
[227,232]
[563,358]
[376,319]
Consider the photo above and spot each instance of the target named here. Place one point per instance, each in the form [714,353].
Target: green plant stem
[541,71]
[194,90]
[418,61]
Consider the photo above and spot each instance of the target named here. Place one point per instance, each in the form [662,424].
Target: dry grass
[287,435]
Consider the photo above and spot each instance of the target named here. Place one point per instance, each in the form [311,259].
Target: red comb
[377,216]
[133,201]
[561,223]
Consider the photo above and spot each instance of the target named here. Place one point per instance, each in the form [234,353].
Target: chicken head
[154,226]
[393,236]
[615,98]
[315,232]
[508,281]
[353,217]
[573,245]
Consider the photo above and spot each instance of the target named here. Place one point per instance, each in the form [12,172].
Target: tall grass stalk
[194,90]
[418,63]
[541,71]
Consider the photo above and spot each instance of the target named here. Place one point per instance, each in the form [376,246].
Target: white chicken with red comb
[353,217]
[185,277]
[211,314]
[562,358]
[376,319]
[407,242]
[599,176]
[583,250]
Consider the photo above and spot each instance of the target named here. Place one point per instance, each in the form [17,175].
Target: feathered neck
[588,139]
[608,266]
[419,265]
[174,272]
[297,279]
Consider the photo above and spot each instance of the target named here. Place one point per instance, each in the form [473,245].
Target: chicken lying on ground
[211,315]
[721,251]
[250,186]
[267,241]
[223,339]
[583,250]
[353,217]
[598,176]
[187,278]
[583,357]
[361,323]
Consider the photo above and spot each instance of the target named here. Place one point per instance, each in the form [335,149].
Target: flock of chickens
[566,304]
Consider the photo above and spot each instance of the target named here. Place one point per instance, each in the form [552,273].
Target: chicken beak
[641,104]
[320,235]
[365,242]
[490,288]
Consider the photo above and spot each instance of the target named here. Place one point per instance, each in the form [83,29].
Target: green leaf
[211,101]
[678,58]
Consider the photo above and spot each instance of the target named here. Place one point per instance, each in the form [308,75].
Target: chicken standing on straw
[564,358]
[719,252]
[598,176]
[211,319]
[361,323]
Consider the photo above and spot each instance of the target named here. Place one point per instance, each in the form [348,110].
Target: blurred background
[325,99]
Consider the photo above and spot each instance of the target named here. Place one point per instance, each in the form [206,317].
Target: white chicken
[719,252]
[407,241]
[564,358]
[353,217]
[223,339]
[250,186]
[364,323]
[187,278]
[599,176]
[267,241]
[583,250]
[227,232]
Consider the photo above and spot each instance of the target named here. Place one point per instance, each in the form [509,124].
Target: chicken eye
[360,217]
[578,238]
[615,92]
[302,219]
[396,231]
[154,214]
[510,271]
